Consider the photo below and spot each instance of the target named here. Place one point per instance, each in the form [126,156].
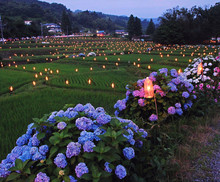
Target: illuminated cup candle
[76,70]
[45,69]
[57,71]
[40,73]
[34,68]
[148,88]
[89,81]
[149,67]
[36,75]
[67,82]
[113,85]
[46,78]
[179,71]
[51,71]
[11,89]
[91,69]
[200,69]
[34,83]
[24,67]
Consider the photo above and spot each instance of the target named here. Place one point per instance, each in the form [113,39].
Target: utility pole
[1,29]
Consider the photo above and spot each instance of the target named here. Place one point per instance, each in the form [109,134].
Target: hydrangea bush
[78,143]
[208,83]
[173,93]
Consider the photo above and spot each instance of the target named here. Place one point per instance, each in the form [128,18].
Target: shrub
[173,94]
[80,143]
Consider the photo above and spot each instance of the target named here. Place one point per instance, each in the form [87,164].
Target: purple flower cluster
[60,160]
[103,119]
[42,177]
[73,149]
[61,125]
[120,171]
[88,146]
[81,169]
[153,117]
[171,110]
[84,123]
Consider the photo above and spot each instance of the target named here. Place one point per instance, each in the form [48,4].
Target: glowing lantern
[40,73]
[103,66]
[16,66]
[148,88]
[11,89]
[76,70]
[138,65]
[149,67]
[51,71]
[67,82]
[36,76]
[57,71]
[89,81]
[46,78]
[200,69]
[34,83]
[94,59]
[176,59]
[34,68]
[134,63]
[190,60]
[24,67]
[116,64]
[179,71]
[45,69]
[113,85]
[151,59]
[91,69]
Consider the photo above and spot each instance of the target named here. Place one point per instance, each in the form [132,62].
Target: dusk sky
[140,8]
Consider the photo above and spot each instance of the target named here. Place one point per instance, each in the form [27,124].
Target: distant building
[53,28]
[121,32]
[27,22]
[100,33]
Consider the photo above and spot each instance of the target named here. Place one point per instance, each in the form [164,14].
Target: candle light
[200,69]
[11,89]
[67,82]
[148,88]
[46,78]
[113,85]
[34,83]
[89,81]
[179,71]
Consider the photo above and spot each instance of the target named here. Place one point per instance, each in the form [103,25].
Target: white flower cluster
[190,73]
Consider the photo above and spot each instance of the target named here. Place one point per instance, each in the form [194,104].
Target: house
[52,27]
[121,32]
[27,22]
[100,33]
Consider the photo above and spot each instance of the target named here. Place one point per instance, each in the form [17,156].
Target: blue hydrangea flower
[84,123]
[120,171]
[194,97]
[88,146]
[173,73]
[81,169]
[136,93]
[73,149]
[42,177]
[107,168]
[177,105]
[153,117]
[185,94]
[163,70]
[37,156]
[30,129]
[144,133]
[60,113]
[33,150]
[43,149]
[35,141]
[25,156]
[103,119]
[61,125]
[60,160]
[120,104]
[86,136]
[172,86]
[171,110]
[129,153]
[72,179]
[78,108]
[23,140]
[176,81]
[179,111]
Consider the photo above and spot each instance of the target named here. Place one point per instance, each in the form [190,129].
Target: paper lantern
[11,89]
[34,83]
[179,71]
[113,85]
[148,88]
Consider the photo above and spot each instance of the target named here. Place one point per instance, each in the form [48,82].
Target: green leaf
[12,176]
[19,164]
[53,150]
[40,136]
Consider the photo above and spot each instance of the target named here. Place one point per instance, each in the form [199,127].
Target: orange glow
[103,66]
[89,81]
[149,67]
[51,71]
[179,71]
[24,67]
[45,69]
[40,73]
[11,89]
[34,68]
[200,69]
[116,64]
[91,69]
[34,83]
[151,59]
[148,88]
[36,75]
[113,85]
[76,70]
[57,71]
[67,82]
[46,78]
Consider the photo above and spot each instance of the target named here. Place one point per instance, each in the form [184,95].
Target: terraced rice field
[61,77]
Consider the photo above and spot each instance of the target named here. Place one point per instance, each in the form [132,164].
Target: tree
[137,27]
[150,28]
[65,25]
[130,27]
